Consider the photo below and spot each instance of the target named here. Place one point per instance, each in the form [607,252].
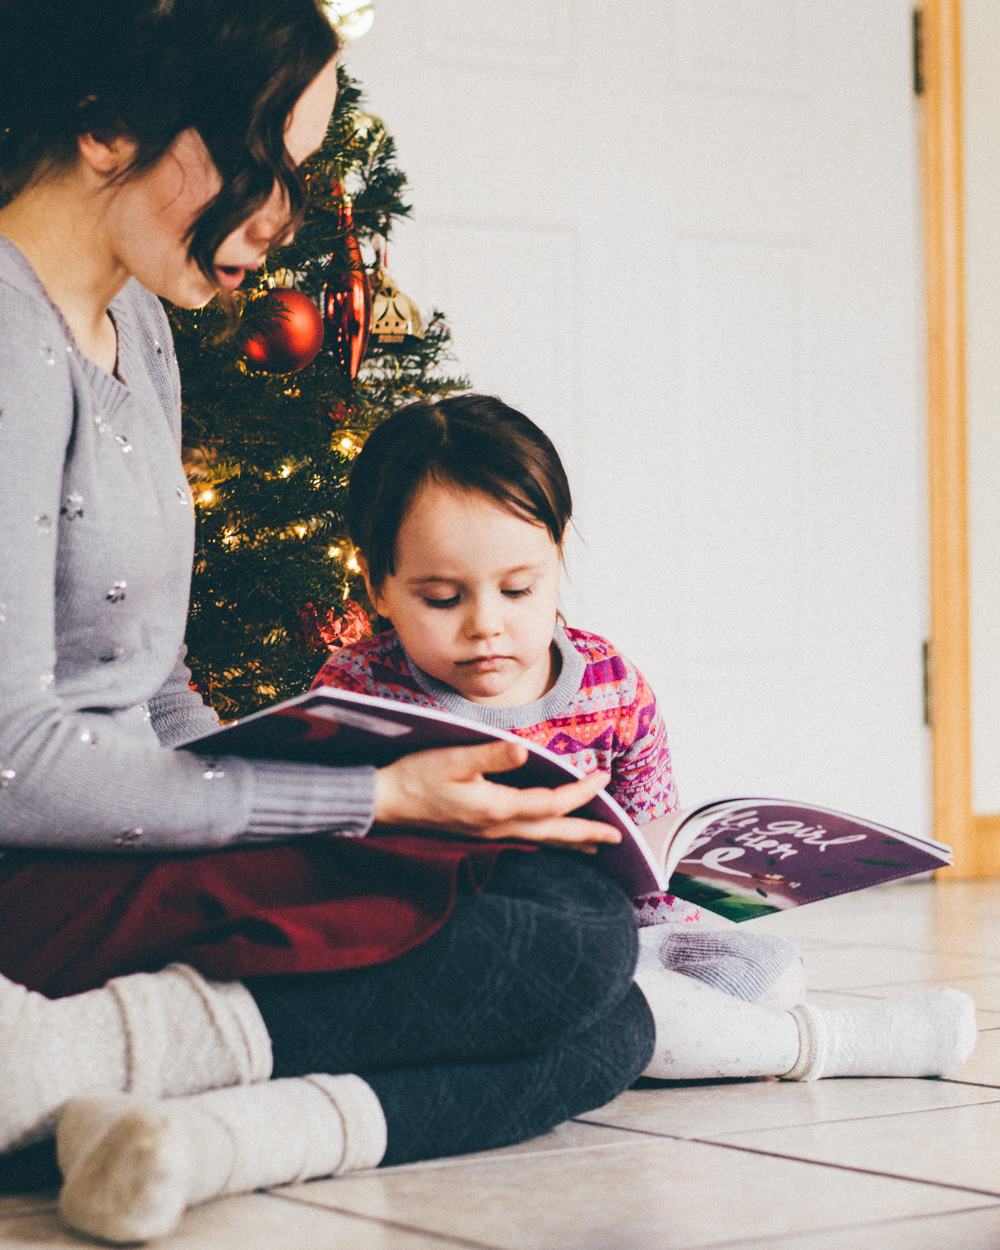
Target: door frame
[975,839]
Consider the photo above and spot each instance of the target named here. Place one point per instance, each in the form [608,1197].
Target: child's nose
[483,620]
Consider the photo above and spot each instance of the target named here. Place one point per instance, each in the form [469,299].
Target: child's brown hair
[473,442]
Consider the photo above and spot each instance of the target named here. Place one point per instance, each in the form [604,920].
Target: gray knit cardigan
[96,540]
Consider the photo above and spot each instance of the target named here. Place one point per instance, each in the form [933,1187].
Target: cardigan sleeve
[75,773]
[178,713]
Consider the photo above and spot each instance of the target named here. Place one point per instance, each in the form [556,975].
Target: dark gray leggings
[518,1014]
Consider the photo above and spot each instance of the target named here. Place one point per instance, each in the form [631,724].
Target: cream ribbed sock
[156,1034]
[702,1033]
[924,1034]
[131,1168]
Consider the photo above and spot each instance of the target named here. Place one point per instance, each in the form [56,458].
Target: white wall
[981,90]
[683,236]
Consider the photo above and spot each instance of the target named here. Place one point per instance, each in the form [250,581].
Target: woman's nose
[270,220]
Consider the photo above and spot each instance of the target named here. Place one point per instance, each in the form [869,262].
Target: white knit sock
[155,1034]
[131,1168]
[925,1034]
[703,1033]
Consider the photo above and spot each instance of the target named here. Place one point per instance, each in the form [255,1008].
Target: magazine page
[342,728]
[744,858]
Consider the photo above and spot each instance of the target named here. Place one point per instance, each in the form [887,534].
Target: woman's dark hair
[149,69]
[473,442]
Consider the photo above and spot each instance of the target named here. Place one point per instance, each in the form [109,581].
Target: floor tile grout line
[846,1167]
[776,1239]
[841,1167]
[445,1238]
[848,1119]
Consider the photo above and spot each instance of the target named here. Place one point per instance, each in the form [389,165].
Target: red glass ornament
[319,627]
[347,303]
[292,342]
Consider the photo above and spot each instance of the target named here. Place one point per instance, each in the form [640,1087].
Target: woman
[151,146]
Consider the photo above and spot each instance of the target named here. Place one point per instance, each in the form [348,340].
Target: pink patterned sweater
[601,714]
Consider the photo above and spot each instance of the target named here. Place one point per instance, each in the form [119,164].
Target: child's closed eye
[450,602]
[517,594]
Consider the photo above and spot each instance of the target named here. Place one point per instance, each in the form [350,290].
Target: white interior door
[682,235]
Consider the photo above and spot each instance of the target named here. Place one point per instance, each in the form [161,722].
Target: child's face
[474,596]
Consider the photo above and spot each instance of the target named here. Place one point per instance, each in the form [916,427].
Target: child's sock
[131,1168]
[154,1034]
[745,964]
[925,1034]
[702,1033]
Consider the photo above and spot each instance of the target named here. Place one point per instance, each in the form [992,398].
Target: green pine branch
[269,455]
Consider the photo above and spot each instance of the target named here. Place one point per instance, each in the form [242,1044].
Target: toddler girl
[458,512]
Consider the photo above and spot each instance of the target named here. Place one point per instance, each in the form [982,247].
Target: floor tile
[855,967]
[253,1222]
[707,1110]
[962,1230]
[647,1194]
[957,1146]
[955,917]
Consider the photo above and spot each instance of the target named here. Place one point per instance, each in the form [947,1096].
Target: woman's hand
[446,790]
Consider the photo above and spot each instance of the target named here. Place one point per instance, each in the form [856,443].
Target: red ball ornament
[292,341]
[347,303]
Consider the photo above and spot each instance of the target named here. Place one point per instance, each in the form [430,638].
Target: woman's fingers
[561,831]
[447,790]
[491,757]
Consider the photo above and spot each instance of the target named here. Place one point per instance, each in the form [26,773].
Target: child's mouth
[484,663]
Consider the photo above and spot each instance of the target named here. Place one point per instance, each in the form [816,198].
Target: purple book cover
[750,857]
[741,858]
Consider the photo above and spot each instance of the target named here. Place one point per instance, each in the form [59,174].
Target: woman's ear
[110,155]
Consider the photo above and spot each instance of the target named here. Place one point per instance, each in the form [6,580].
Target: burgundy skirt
[69,920]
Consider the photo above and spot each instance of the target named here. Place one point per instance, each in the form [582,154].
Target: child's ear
[106,155]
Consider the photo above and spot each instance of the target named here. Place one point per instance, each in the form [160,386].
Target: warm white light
[333,553]
[285,470]
[206,496]
[352,18]
[352,564]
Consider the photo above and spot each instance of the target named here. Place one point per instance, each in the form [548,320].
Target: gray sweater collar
[18,272]
[555,703]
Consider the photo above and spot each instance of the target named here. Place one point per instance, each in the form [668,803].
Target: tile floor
[835,1165]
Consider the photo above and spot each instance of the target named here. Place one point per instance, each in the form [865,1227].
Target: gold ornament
[396,320]
[351,18]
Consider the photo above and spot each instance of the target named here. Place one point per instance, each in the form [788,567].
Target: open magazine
[741,857]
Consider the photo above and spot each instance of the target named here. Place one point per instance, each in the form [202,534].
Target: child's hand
[446,790]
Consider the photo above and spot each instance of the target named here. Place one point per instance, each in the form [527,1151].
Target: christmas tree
[268,454]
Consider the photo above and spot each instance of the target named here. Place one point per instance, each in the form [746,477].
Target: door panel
[682,235]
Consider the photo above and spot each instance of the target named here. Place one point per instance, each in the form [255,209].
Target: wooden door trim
[943,209]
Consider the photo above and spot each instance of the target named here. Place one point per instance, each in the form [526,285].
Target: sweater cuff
[291,799]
